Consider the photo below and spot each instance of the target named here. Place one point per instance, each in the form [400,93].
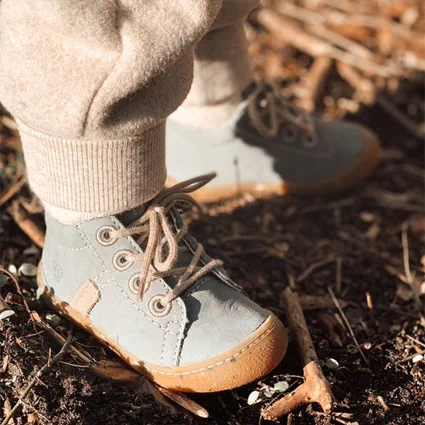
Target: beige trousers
[91,84]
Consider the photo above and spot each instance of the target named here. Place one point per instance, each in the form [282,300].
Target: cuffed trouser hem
[78,179]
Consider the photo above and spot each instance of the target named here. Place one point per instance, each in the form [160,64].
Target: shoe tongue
[129,216]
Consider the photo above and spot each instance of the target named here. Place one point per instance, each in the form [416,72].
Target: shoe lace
[155,231]
[268,111]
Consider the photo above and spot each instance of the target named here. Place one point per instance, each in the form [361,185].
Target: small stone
[332,364]
[32,250]
[6,313]
[367,216]
[12,268]
[367,345]
[54,319]
[417,358]
[3,280]
[28,269]
[254,397]
[281,386]
[269,392]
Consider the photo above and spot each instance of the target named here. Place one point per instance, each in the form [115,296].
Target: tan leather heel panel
[86,298]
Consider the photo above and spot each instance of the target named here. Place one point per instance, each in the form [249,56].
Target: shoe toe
[245,362]
[353,154]
[358,153]
[230,341]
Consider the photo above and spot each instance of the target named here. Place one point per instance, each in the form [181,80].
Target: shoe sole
[361,170]
[246,362]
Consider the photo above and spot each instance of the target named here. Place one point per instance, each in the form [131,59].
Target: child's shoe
[270,147]
[146,289]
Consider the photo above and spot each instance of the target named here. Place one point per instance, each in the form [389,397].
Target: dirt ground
[368,246]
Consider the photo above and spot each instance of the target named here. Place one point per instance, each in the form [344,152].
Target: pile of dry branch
[372,46]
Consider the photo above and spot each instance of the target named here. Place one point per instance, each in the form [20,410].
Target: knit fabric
[222,69]
[91,84]
[94,177]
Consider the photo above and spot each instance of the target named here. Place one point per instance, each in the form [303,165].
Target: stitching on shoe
[104,284]
[73,249]
[163,348]
[139,309]
[84,237]
[229,359]
[100,289]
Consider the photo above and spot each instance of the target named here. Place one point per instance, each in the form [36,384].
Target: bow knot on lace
[161,242]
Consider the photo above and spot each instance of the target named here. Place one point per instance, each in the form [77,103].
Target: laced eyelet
[122,260]
[309,140]
[289,134]
[104,237]
[156,308]
[134,283]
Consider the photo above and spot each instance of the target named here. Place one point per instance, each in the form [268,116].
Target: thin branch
[26,224]
[18,287]
[347,324]
[12,190]
[46,368]
[406,261]
[316,388]
[401,117]
[313,267]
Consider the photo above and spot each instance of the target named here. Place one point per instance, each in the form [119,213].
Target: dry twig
[4,308]
[401,117]
[406,261]
[315,82]
[318,302]
[316,388]
[291,33]
[18,287]
[313,267]
[347,323]
[184,402]
[46,368]
[12,190]
[7,408]
[28,226]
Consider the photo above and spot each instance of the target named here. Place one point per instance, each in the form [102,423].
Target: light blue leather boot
[270,147]
[144,287]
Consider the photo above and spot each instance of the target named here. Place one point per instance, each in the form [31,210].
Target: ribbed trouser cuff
[81,178]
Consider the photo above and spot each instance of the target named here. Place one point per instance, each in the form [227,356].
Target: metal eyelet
[289,134]
[104,237]
[156,308]
[309,140]
[134,283]
[122,260]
